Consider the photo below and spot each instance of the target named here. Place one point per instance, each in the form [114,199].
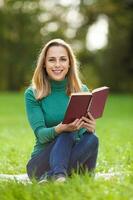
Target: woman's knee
[29,170]
[93,139]
[66,136]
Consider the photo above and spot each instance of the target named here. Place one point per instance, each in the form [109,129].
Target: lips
[57,71]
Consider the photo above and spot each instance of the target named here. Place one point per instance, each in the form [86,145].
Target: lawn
[115,131]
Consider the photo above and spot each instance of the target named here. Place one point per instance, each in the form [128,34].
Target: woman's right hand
[74,126]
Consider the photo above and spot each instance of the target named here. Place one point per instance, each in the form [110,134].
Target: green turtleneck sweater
[45,114]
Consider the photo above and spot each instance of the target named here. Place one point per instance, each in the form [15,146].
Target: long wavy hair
[40,80]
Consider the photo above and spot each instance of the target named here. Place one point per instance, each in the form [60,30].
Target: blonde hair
[40,80]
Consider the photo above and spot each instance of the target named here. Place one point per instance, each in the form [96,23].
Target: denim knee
[66,135]
[94,140]
[29,170]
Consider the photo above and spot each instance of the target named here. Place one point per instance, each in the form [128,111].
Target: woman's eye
[63,59]
[51,60]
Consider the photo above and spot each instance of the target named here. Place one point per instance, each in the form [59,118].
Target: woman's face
[57,63]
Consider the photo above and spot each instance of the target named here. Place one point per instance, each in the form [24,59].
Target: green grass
[115,131]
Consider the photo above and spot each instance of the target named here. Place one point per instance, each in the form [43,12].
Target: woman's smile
[57,71]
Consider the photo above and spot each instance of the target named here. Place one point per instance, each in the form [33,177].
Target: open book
[82,102]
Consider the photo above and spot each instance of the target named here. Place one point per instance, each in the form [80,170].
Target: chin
[58,78]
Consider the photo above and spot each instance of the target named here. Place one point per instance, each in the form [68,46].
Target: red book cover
[77,107]
[97,104]
[82,102]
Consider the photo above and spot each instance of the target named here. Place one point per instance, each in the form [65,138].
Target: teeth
[57,71]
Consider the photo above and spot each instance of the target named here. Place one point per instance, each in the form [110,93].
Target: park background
[101,34]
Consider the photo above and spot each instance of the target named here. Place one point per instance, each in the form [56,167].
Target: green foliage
[17,50]
[27,25]
[116,67]
[23,31]
[113,65]
[115,154]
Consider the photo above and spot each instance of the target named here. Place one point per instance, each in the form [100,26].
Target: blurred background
[99,31]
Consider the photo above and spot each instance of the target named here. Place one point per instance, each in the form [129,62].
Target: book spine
[89,105]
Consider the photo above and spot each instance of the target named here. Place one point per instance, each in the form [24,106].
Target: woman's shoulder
[30,91]
[84,88]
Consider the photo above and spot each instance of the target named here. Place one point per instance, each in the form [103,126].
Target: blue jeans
[64,155]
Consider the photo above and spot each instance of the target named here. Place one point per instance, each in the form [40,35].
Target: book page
[99,89]
[81,93]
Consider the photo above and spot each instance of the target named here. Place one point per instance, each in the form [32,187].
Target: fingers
[80,125]
[89,127]
[76,124]
[90,116]
[89,121]
[83,122]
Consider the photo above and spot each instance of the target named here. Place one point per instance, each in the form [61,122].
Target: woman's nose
[57,63]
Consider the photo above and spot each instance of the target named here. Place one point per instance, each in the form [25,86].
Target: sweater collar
[58,85]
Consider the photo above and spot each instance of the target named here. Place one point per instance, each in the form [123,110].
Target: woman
[60,148]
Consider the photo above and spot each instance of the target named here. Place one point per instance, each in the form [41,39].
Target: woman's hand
[74,126]
[89,123]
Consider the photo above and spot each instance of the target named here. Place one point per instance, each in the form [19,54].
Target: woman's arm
[36,118]
[71,127]
[45,135]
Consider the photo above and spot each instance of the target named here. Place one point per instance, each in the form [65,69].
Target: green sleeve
[45,135]
[36,118]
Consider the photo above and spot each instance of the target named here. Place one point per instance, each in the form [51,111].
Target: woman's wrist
[57,129]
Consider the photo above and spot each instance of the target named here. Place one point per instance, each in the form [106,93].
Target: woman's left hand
[89,123]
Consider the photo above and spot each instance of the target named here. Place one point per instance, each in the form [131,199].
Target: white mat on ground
[24,178]
[19,177]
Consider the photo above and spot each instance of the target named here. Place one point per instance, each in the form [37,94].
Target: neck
[58,85]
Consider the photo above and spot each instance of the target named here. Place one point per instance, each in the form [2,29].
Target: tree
[25,27]
[27,24]
[113,65]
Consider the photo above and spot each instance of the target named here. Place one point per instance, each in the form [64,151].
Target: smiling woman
[56,54]
[60,148]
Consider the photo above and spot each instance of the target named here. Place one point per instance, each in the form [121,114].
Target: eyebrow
[60,56]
